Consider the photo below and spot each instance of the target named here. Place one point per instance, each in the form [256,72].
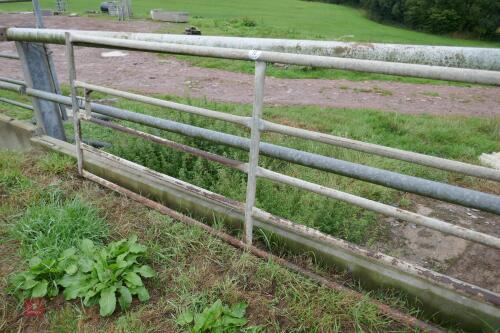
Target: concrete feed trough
[174,17]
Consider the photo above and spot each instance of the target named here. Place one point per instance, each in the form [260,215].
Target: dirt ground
[149,73]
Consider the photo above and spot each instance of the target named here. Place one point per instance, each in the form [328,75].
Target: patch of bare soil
[149,73]
[467,261]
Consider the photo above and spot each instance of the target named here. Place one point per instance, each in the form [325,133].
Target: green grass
[280,18]
[294,19]
[52,225]
[193,269]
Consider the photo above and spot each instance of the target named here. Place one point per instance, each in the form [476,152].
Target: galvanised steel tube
[371,205]
[240,120]
[436,190]
[447,56]
[16,103]
[384,209]
[403,155]
[9,56]
[408,156]
[370,66]
[6,79]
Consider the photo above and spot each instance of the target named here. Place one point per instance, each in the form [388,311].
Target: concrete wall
[15,134]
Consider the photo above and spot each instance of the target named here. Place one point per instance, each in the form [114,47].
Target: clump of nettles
[98,275]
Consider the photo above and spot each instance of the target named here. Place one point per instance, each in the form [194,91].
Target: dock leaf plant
[97,275]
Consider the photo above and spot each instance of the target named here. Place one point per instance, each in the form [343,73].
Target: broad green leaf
[146,271]
[107,302]
[133,279]
[137,248]
[87,246]
[40,290]
[68,253]
[142,294]
[125,298]
[71,269]
[238,310]
[85,264]
[185,318]
[232,321]
[132,239]
[28,284]
[34,262]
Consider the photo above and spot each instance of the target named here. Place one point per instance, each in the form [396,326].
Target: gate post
[37,74]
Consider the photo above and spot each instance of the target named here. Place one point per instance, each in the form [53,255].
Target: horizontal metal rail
[426,160]
[9,56]
[436,190]
[240,120]
[16,103]
[444,227]
[448,56]
[371,66]
[6,79]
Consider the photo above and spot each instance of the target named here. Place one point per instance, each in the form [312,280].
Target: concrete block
[174,17]
[15,134]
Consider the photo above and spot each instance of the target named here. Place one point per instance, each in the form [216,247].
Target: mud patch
[467,261]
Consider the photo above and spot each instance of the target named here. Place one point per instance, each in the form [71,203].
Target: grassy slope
[193,268]
[315,20]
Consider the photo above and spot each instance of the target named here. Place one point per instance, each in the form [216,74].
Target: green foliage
[218,318]
[54,224]
[480,17]
[98,275]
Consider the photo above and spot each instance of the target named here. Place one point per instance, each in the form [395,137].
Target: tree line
[476,17]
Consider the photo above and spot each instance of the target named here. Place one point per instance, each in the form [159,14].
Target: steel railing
[256,126]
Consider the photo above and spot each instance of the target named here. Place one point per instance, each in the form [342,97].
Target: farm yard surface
[445,119]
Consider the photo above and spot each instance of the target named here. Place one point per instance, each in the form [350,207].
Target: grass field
[193,269]
[277,18]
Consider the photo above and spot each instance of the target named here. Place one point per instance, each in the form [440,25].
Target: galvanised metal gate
[484,301]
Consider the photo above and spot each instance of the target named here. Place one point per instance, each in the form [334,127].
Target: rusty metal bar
[436,190]
[240,120]
[444,227]
[238,165]
[398,154]
[429,222]
[253,164]
[394,314]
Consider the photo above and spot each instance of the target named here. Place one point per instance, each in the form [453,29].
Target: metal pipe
[398,154]
[70,58]
[6,79]
[370,66]
[16,103]
[432,189]
[238,165]
[384,209]
[253,157]
[240,120]
[447,56]
[9,56]
[394,314]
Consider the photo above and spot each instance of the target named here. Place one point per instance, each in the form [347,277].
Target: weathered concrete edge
[448,304]
[15,134]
